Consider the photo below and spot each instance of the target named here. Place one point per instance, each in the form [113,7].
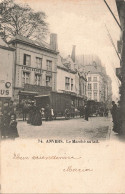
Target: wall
[61,74]
[22,49]
[6,72]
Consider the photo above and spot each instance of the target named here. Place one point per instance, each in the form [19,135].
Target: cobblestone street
[96,128]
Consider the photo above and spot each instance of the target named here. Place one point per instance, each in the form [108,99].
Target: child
[13,133]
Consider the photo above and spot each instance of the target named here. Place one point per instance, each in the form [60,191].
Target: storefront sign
[5,88]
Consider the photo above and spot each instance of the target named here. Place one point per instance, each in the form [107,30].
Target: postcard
[62,96]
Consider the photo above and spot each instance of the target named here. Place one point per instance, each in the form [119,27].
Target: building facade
[98,83]
[7,57]
[35,65]
[71,81]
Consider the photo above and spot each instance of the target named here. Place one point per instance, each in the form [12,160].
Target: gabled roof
[25,40]
[4,45]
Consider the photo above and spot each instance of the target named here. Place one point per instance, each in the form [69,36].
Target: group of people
[8,122]
[116,117]
[35,113]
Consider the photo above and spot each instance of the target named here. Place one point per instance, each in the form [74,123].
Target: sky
[82,23]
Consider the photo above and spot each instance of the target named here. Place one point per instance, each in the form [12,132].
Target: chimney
[73,55]
[53,42]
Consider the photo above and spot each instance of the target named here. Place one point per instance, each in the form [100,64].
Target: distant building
[35,66]
[7,55]
[70,80]
[98,83]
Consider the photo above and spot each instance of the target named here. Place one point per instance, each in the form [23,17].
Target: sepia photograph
[62,96]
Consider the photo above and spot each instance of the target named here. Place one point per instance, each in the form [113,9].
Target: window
[27,60]
[48,81]
[95,86]
[89,95]
[26,78]
[89,86]
[37,79]
[89,79]
[83,88]
[95,95]
[38,62]
[49,65]
[95,79]
[67,83]
[71,84]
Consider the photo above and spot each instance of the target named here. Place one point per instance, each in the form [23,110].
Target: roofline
[68,70]
[7,48]
[33,45]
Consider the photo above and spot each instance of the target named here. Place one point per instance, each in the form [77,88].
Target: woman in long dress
[36,118]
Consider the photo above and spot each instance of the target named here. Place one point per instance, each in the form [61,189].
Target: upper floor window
[95,86]
[95,95]
[67,83]
[27,60]
[95,79]
[71,84]
[37,79]
[49,65]
[89,79]
[39,62]
[89,86]
[48,81]
[90,95]
[83,89]
[26,78]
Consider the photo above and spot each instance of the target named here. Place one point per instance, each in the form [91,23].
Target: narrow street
[97,128]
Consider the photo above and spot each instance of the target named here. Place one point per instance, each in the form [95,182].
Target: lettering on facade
[5,89]
[4,92]
[32,69]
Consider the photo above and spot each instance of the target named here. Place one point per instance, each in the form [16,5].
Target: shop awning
[42,96]
[28,93]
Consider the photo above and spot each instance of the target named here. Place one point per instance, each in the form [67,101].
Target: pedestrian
[25,110]
[47,112]
[114,112]
[30,112]
[11,108]
[36,118]
[86,112]
[5,121]
[13,133]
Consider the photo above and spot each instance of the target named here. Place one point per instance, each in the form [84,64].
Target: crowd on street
[33,114]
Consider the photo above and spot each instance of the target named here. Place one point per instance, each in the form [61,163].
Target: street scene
[56,85]
[74,129]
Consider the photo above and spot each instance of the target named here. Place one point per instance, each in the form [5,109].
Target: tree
[18,19]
